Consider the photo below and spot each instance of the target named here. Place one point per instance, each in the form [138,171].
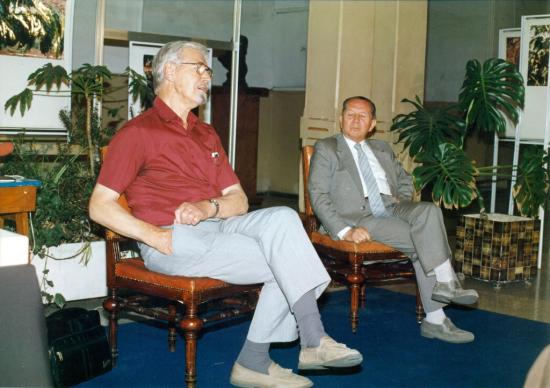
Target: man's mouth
[203,88]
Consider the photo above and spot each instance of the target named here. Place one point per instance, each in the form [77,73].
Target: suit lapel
[346,159]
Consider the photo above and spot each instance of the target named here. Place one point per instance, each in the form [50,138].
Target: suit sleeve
[323,165]
[405,185]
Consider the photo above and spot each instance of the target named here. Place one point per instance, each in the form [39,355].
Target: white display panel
[535,38]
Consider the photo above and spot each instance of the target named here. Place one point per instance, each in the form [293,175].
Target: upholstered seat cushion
[134,269]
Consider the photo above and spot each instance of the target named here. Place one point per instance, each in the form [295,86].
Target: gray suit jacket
[335,187]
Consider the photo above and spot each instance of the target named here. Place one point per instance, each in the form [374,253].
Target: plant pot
[72,278]
[500,248]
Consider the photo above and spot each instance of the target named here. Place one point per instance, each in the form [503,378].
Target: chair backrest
[311,221]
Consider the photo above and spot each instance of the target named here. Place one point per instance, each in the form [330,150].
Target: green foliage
[86,85]
[452,174]
[23,99]
[61,205]
[531,188]
[435,137]
[140,88]
[88,80]
[28,24]
[423,130]
[489,93]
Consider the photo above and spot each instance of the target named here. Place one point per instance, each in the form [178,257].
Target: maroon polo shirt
[158,164]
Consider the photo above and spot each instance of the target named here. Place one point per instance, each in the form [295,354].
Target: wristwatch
[216,204]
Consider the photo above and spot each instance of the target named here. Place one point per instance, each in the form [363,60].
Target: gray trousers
[416,229]
[268,246]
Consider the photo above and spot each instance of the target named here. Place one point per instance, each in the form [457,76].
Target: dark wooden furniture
[188,302]
[356,264]
[17,200]
[248,116]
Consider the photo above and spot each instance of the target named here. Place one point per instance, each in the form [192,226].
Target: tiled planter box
[501,248]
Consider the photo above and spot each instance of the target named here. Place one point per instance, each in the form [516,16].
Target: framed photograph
[140,60]
[535,38]
[22,54]
[509,46]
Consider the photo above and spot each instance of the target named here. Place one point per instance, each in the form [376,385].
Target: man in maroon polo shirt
[189,214]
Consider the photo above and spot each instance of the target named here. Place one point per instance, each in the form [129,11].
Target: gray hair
[170,53]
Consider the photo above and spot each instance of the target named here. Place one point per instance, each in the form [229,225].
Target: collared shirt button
[362,207]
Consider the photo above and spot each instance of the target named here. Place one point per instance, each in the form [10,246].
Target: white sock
[436,317]
[444,272]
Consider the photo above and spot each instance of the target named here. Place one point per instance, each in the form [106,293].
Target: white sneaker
[329,354]
[277,377]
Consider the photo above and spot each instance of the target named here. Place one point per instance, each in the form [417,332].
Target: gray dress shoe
[447,332]
[452,292]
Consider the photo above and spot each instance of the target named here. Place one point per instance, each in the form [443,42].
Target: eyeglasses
[200,68]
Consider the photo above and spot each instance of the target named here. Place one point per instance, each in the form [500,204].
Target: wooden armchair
[186,303]
[356,264]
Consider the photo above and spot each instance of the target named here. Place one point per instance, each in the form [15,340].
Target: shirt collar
[351,144]
[168,115]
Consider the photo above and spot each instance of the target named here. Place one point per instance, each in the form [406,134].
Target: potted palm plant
[64,239]
[435,139]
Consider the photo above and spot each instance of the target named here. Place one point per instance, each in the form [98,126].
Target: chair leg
[363,296]
[419,306]
[356,281]
[172,333]
[111,304]
[191,325]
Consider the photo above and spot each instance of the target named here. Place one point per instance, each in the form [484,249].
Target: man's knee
[283,215]
[428,209]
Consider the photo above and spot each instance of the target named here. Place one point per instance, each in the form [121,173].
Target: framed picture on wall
[509,46]
[141,56]
[22,52]
[535,38]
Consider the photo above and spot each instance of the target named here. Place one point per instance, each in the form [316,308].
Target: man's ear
[372,125]
[169,71]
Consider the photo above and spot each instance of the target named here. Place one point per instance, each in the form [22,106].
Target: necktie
[375,200]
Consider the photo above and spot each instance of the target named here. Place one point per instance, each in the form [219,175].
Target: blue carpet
[395,355]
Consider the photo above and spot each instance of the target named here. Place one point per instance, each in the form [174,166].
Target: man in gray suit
[189,214]
[360,192]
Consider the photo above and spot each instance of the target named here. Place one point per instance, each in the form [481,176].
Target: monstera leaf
[423,129]
[530,190]
[451,174]
[490,92]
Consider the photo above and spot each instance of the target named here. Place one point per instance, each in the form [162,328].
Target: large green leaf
[49,75]
[23,99]
[450,173]
[423,129]
[489,93]
[531,188]
[89,80]
[140,88]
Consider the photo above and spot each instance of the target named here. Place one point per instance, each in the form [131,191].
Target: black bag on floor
[78,347]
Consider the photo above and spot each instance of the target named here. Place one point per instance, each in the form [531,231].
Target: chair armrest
[350,247]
